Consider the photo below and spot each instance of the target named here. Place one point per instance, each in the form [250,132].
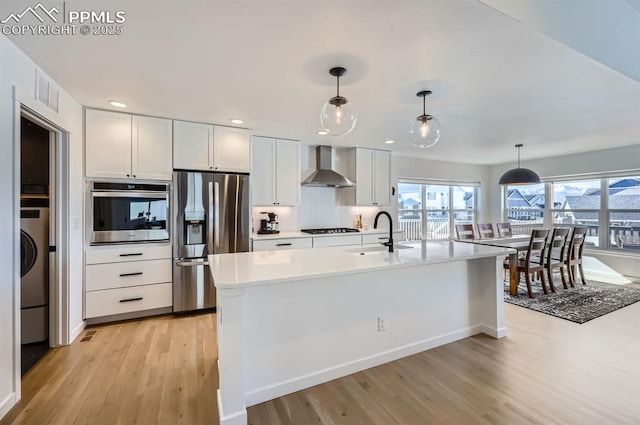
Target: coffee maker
[269,224]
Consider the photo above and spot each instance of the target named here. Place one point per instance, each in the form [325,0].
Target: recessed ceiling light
[117,104]
[322,133]
[237,121]
[389,142]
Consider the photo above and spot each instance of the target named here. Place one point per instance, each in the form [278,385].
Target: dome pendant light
[519,176]
[425,129]
[337,115]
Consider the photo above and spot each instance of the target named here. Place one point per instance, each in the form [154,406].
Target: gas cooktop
[330,230]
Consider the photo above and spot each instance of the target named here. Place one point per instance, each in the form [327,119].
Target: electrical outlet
[382,323]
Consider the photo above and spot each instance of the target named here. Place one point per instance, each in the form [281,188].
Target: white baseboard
[261,395]
[493,332]
[76,332]
[6,404]
[238,418]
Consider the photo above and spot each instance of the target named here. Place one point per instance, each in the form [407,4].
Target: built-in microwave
[127,212]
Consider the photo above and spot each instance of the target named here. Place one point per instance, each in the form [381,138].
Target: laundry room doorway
[43,237]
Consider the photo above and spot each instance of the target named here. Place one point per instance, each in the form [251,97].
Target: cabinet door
[287,172]
[192,146]
[231,149]
[381,177]
[364,176]
[151,153]
[107,144]
[263,171]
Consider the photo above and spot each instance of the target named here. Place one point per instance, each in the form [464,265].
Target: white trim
[634,172]
[15,198]
[75,332]
[237,418]
[7,404]
[437,182]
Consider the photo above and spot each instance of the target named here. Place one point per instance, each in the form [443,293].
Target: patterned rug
[579,304]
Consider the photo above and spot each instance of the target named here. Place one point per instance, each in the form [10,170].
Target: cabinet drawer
[121,253]
[381,237]
[127,300]
[341,240]
[292,243]
[133,273]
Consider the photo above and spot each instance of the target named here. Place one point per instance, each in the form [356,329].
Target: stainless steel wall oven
[128,212]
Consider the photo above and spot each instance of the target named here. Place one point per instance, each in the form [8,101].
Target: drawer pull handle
[135,254]
[130,274]
[284,244]
[128,300]
[383,238]
[191,263]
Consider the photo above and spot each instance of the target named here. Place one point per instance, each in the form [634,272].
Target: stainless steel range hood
[324,176]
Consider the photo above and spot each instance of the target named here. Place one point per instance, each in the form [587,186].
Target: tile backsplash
[319,207]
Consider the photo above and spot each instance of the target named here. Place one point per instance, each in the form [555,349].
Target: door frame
[59,296]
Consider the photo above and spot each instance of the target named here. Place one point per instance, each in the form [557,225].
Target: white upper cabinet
[373,177]
[199,146]
[275,174]
[231,149]
[107,144]
[151,156]
[127,146]
[192,146]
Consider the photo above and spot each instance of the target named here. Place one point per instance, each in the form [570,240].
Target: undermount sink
[365,249]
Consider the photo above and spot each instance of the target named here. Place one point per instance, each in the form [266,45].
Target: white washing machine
[34,274]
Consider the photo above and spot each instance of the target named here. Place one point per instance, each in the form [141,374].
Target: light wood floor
[161,371]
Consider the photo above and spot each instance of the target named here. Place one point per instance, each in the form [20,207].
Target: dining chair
[573,257]
[465,231]
[485,230]
[555,254]
[504,229]
[533,261]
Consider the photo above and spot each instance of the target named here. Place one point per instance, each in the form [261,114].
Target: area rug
[579,304]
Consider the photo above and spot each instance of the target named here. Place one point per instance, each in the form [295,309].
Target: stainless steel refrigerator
[211,216]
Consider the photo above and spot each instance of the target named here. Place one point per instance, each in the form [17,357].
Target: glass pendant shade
[338,119]
[519,176]
[424,131]
[338,116]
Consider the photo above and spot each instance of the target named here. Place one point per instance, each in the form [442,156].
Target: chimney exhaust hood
[324,176]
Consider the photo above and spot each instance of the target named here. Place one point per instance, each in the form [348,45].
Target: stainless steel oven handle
[152,195]
[191,263]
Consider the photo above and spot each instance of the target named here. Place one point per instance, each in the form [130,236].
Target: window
[609,207]
[429,211]
[578,203]
[525,207]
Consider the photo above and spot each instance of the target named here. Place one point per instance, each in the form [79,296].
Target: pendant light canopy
[519,176]
[425,129]
[338,116]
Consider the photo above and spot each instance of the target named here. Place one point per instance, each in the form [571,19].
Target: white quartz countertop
[298,234]
[268,267]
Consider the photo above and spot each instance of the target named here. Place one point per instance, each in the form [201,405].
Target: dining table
[519,243]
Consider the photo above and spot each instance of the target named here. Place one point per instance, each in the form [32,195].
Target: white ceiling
[495,81]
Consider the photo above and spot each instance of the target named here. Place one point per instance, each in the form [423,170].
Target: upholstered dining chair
[504,229]
[465,231]
[485,230]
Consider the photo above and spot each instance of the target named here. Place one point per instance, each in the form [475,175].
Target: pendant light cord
[424,105]
[338,86]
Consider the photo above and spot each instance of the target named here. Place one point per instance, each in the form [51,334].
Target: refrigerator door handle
[210,225]
[216,209]
[191,263]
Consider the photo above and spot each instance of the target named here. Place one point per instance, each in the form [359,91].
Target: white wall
[603,161]
[18,70]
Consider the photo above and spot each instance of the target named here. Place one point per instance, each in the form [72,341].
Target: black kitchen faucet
[375,226]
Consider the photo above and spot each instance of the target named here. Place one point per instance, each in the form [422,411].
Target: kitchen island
[291,319]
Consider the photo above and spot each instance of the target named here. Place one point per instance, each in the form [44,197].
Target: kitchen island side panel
[301,333]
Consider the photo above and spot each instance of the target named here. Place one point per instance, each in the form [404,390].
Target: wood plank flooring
[162,371]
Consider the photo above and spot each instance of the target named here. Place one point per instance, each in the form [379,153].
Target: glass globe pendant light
[425,129]
[337,116]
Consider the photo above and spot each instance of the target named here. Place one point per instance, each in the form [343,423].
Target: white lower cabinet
[128,300]
[126,279]
[341,240]
[381,238]
[275,244]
